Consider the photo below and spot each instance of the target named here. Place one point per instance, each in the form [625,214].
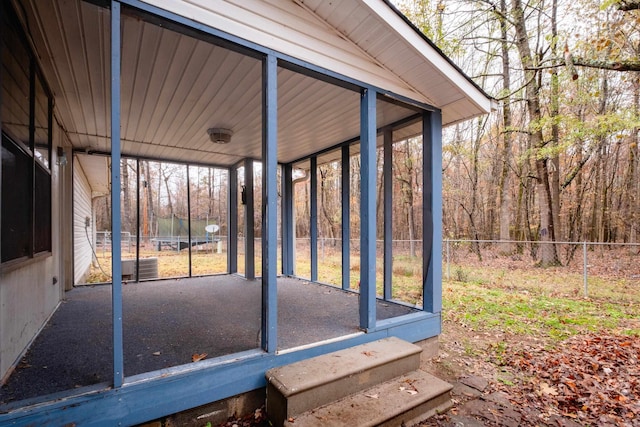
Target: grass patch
[529,301]
[512,311]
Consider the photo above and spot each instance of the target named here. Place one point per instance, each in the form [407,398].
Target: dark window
[42,216]
[26,114]
[16,201]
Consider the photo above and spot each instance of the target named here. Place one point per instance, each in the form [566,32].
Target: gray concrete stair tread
[408,399]
[312,373]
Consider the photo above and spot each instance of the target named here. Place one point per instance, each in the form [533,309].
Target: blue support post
[232,220]
[388,212]
[368,209]
[346,218]
[269,204]
[313,226]
[189,235]
[432,211]
[249,221]
[287,220]
[138,198]
[116,226]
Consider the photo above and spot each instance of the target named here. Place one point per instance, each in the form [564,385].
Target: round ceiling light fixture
[220,135]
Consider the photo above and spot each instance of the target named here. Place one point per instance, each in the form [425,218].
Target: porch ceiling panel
[291,28]
[175,87]
[58,31]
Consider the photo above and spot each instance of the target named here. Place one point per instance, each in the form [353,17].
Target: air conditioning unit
[148,269]
[128,269]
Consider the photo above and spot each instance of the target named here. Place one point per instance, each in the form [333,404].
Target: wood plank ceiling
[175,87]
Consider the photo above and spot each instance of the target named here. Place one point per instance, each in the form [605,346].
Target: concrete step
[311,383]
[403,401]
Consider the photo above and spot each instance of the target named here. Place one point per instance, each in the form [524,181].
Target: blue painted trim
[232,220]
[368,210]
[388,213]
[116,220]
[188,220]
[395,125]
[346,217]
[191,385]
[287,220]
[418,330]
[313,221]
[404,320]
[270,204]
[249,223]
[432,211]
[153,158]
[392,97]
[138,214]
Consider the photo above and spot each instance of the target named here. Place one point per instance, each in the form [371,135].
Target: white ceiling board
[175,87]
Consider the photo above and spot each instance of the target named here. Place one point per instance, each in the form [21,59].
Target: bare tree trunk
[594,229]
[503,187]
[380,197]
[166,178]
[555,132]
[633,184]
[548,254]
[149,190]
[474,192]
[405,176]
[126,195]
[323,199]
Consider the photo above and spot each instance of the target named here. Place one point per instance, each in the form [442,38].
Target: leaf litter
[585,380]
[592,379]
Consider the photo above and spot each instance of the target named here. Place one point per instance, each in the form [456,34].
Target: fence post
[584,261]
[448,264]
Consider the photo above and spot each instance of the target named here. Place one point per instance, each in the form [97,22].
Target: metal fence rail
[611,261]
[594,261]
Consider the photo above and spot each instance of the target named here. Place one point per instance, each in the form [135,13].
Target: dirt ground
[585,380]
[501,380]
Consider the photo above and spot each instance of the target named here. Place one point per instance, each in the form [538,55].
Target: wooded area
[557,161]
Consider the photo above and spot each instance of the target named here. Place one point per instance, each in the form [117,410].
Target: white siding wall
[81,209]
[28,295]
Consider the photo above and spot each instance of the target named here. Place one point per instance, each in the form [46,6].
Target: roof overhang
[181,79]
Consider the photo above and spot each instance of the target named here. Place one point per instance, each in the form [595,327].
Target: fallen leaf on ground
[198,357]
[547,389]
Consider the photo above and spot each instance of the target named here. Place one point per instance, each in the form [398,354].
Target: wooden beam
[249,223]
[346,217]
[432,211]
[313,224]
[269,204]
[116,223]
[368,210]
[388,212]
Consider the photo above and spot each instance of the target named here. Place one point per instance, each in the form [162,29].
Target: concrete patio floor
[167,321]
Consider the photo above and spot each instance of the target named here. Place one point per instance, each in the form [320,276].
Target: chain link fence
[578,269]
[583,266]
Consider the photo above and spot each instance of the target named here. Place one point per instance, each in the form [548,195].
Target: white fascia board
[448,71]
